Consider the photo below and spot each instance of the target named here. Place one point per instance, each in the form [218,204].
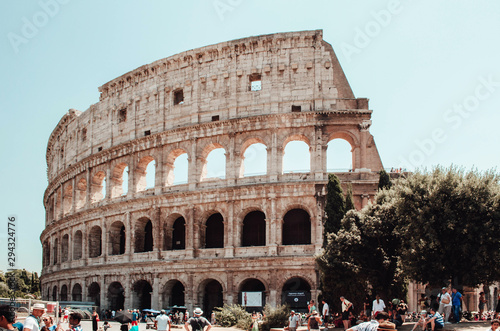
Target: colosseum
[124,230]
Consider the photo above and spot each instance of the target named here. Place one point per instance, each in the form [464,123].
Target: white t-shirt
[162,322]
[326,310]
[447,296]
[31,323]
[293,320]
[378,306]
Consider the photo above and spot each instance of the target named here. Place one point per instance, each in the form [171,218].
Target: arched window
[98,191]
[180,170]
[296,293]
[81,193]
[214,234]
[254,161]
[252,293]
[179,234]
[146,172]
[95,241]
[254,229]
[119,180]
[64,293]
[297,157]
[339,156]
[76,293]
[215,162]
[65,248]
[117,238]
[116,297]
[56,247]
[143,235]
[77,245]
[141,294]
[296,227]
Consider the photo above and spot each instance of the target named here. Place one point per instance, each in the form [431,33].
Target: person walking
[445,304]
[456,301]
[162,322]
[326,313]
[293,321]
[197,322]
[346,307]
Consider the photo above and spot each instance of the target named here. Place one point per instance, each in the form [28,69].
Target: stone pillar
[129,236]
[103,292]
[89,189]
[230,231]
[85,251]
[105,235]
[318,154]
[364,127]
[160,172]
[365,198]
[73,195]
[108,182]
[155,304]
[232,156]
[61,203]
[275,163]
[193,176]
[271,222]
[127,292]
[131,176]
[157,231]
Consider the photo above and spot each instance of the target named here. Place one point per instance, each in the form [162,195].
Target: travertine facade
[208,240]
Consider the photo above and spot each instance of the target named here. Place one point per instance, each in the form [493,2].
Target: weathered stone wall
[193,103]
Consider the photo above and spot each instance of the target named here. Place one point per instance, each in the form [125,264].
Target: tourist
[497,310]
[66,314]
[326,313]
[346,307]
[135,316]
[32,322]
[7,318]
[197,322]
[378,305]
[380,320]
[367,306]
[74,321]
[162,322]
[48,322]
[293,321]
[422,302]
[311,307]
[482,303]
[106,326]
[495,325]
[435,320]
[422,321]
[314,321]
[456,300]
[95,321]
[445,304]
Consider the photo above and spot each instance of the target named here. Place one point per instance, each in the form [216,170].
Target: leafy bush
[230,315]
[275,317]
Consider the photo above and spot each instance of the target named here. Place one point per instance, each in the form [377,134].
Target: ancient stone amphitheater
[237,237]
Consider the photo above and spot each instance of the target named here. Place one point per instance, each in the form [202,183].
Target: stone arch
[57,207]
[206,168]
[94,293]
[54,251]
[77,245]
[76,293]
[95,241]
[296,154]
[214,231]
[296,292]
[143,235]
[172,174]
[65,248]
[141,173]
[211,294]
[67,199]
[54,293]
[98,188]
[296,227]
[81,193]
[117,180]
[46,253]
[173,293]
[64,293]
[249,160]
[253,231]
[116,296]
[340,154]
[254,285]
[117,238]
[174,233]
[141,294]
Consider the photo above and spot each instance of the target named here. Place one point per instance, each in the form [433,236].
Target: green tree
[334,207]
[349,201]
[384,181]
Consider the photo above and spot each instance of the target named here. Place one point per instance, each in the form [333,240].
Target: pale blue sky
[431,70]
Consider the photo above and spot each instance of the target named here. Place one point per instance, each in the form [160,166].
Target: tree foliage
[349,200]
[384,181]
[334,207]
[21,281]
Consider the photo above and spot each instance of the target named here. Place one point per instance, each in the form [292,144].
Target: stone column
[73,195]
[271,222]
[127,292]
[193,176]
[105,235]
[275,164]
[230,231]
[108,182]
[190,240]
[129,236]
[155,304]
[364,127]
[157,231]
[103,291]
[131,176]
[89,189]
[160,172]
[232,170]
[61,203]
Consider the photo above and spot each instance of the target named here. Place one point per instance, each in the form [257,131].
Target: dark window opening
[179,234]
[178,97]
[255,82]
[254,229]
[99,149]
[122,115]
[296,228]
[84,134]
[296,109]
[214,237]
[147,133]
[148,237]
[215,118]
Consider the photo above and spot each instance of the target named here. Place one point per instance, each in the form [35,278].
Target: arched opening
[146,172]
[179,234]
[65,248]
[64,293]
[94,294]
[141,296]
[119,180]
[57,206]
[296,227]
[215,165]
[296,293]
[252,294]
[339,156]
[76,293]
[46,254]
[54,253]
[54,293]
[179,172]
[67,199]
[254,161]
[143,235]
[173,294]
[116,297]
[117,238]
[254,229]
[95,241]
[212,296]
[81,193]
[98,189]
[214,232]
[77,245]
[297,158]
